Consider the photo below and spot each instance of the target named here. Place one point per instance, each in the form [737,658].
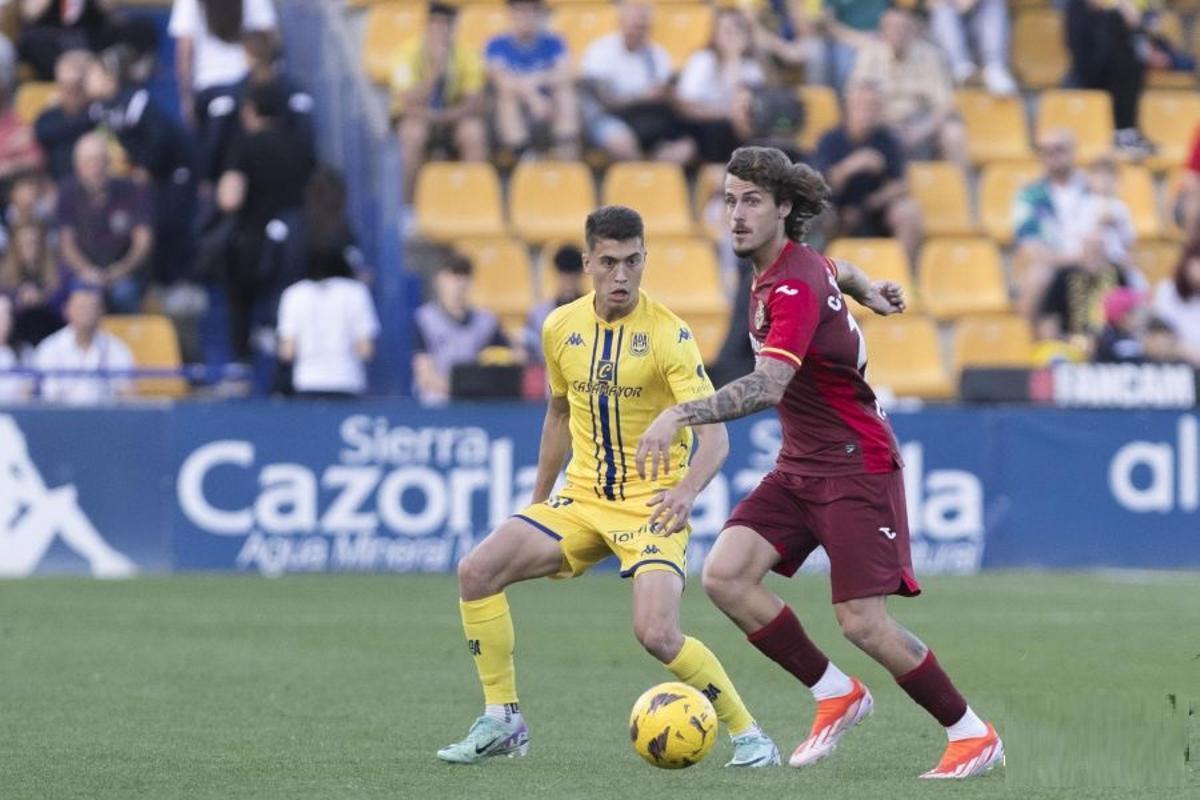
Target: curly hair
[771,169]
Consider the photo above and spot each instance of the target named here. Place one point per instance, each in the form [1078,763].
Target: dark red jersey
[832,423]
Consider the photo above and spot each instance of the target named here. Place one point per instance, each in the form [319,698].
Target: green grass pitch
[343,687]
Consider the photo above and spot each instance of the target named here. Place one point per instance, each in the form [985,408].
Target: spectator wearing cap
[61,125]
[535,91]
[327,327]
[83,347]
[986,21]
[449,331]
[1177,302]
[568,286]
[437,96]
[1120,338]
[104,227]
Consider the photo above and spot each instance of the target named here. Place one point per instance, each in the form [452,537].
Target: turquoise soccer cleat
[754,749]
[488,738]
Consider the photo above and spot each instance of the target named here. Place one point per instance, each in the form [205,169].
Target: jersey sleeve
[554,375]
[681,364]
[794,311]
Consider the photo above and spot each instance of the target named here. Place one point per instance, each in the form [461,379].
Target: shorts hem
[632,571]
[786,567]
[905,586]
[539,526]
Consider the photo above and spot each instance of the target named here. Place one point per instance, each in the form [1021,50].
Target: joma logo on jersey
[639,344]
[575,340]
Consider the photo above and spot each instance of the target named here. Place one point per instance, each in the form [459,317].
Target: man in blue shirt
[530,67]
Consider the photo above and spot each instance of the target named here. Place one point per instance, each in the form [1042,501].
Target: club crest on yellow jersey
[639,344]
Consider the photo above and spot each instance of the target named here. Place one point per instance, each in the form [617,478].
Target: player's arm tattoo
[760,389]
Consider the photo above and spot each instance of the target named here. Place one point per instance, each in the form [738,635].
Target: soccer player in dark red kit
[837,482]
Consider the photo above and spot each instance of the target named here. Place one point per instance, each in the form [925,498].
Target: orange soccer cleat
[968,757]
[835,716]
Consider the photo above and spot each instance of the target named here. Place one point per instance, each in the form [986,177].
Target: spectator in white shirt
[327,327]
[82,347]
[1177,302]
[13,388]
[626,80]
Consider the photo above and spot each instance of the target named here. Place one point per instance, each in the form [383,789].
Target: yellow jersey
[617,377]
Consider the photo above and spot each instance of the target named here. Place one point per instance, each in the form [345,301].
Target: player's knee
[475,578]
[661,638]
[860,629]
[721,585]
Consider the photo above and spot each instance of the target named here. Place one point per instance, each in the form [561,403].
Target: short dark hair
[618,223]
[770,169]
[440,9]
[568,260]
[457,263]
[512,3]
[268,100]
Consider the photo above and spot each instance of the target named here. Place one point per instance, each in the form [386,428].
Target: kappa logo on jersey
[888,532]
[684,335]
[33,516]
[575,340]
[639,344]
[558,501]
[651,550]
[789,291]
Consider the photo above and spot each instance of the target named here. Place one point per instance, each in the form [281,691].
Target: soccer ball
[673,726]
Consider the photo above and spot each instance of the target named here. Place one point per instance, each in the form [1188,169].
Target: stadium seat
[961,276]
[710,331]
[821,112]
[998,187]
[996,127]
[478,23]
[1156,258]
[1086,112]
[34,97]
[1039,50]
[904,356]
[1135,185]
[1169,119]
[154,344]
[657,190]
[682,29]
[940,189]
[549,199]
[580,24]
[387,25]
[456,200]
[709,181]
[882,260]
[992,341]
[502,281]
[684,274]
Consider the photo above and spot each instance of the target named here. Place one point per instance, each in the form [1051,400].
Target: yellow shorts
[588,529]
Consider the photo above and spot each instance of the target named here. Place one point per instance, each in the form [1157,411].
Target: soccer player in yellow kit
[615,359]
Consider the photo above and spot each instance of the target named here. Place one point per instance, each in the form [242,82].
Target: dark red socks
[784,641]
[930,687]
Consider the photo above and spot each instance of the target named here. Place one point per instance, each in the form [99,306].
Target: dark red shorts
[860,520]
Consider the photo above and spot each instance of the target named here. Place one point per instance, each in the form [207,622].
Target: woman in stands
[1177,302]
[30,277]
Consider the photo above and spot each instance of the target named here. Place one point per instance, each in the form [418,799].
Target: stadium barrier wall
[275,488]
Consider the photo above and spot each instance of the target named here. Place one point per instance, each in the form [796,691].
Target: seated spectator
[13,388]
[52,28]
[61,125]
[104,227]
[627,82]
[918,95]
[327,327]
[1177,302]
[848,26]
[437,97]
[535,94]
[1103,37]
[714,88]
[263,189]
[1120,339]
[986,21]
[864,164]
[1071,306]
[1106,215]
[82,346]
[448,331]
[210,66]
[30,201]
[1161,344]
[29,275]
[19,150]
[569,286]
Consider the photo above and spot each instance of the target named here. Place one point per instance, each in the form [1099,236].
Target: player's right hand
[886,297]
[672,510]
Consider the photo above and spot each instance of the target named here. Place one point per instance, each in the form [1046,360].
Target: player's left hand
[672,510]
[655,444]
[886,298]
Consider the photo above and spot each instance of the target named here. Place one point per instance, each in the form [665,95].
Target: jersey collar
[787,248]
[616,323]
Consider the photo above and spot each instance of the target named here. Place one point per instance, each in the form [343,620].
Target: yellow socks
[489,630]
[699,668]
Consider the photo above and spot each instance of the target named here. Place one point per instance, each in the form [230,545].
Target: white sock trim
[501,712]
[833,683]
[969,727]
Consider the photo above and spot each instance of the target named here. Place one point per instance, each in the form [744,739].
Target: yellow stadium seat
[996,128]
[904,356]
[992,341]
[34,97]
[710,331]
[1086,112]
[582,24]
[1156,258]
[502,279]
[550,200]
[1039,49]
[821,113]
[709,182]
[656,190]
[940,189]
[1135,185]
[961,276]
[683,273]
[1169,119]
[456,200]
[998,187]
[152,339]
[682,29]
[389,24]
[882,260]
[478,23]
